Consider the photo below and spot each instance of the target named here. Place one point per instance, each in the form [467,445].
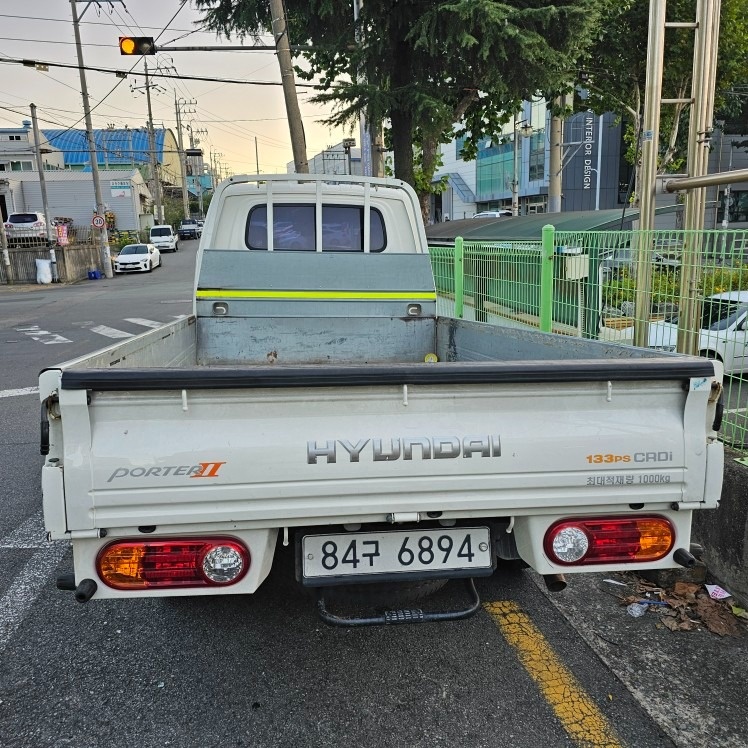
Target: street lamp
[524,129]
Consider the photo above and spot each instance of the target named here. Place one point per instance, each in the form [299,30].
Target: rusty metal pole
[706,43]
[650,147]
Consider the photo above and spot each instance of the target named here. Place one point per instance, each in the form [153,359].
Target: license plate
[444,551]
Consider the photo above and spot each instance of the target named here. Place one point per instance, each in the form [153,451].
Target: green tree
[423,66]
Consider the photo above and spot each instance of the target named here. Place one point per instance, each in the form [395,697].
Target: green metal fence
[586,284]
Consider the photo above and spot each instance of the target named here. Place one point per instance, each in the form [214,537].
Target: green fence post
[459,277]
[546,279]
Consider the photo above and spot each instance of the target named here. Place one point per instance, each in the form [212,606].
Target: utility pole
[152,149]
[215,165]
[366,136]
[181,106]
[524,131]
[555,166]
[4,248]
[43,189]
[106,259]
[295,125]
[515,176]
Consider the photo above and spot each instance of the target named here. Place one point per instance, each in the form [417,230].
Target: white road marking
[111,332]
[20,597]
[144,322]
[31,534]
[22,391]
[44,336]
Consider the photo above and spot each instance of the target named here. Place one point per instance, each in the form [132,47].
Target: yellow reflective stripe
[209,293]
[583,722]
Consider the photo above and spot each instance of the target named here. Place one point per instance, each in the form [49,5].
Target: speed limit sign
[98,222]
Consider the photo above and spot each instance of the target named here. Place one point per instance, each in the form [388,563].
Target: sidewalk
[696,669]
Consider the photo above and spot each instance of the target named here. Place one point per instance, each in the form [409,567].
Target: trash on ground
[716,592]
[615,581]
[637,609]
[687,606]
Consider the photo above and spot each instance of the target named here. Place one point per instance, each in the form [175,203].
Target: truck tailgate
[299,445]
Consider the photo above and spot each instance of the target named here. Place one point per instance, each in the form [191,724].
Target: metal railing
[586,284]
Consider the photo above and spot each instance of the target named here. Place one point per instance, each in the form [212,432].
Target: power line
[34,63]
[48,41]
[95,23]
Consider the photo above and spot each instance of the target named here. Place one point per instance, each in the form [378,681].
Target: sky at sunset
[234,115]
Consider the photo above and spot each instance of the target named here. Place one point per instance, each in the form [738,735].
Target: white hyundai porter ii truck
[315,398]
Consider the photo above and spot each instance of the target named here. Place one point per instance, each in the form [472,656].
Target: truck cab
[189,229]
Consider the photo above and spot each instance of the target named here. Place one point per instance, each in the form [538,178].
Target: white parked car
[27,229]
[137,258]
[723,334]
[493,214]
[165,238]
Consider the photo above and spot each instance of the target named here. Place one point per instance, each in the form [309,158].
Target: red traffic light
[137,45]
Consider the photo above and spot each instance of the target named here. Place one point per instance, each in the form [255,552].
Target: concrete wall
[724,532]
[73,263]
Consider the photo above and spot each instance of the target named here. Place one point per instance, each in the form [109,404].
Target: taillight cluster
[609,540]
[174,563]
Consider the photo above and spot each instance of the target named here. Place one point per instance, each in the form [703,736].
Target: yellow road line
[579,715]
[207,293]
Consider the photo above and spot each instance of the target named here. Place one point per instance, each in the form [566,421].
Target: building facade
[70,196]
[594,175]
[17,150]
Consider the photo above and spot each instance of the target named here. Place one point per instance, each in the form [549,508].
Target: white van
[164,238]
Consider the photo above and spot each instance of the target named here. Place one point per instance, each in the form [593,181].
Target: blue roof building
[119,149]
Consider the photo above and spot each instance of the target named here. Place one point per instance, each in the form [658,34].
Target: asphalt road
[263,670]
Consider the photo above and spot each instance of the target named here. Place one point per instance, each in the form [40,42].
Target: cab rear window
[293,228]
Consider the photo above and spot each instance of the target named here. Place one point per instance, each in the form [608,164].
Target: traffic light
[137,45]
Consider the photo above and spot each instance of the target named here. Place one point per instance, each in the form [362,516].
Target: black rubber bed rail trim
[479,372]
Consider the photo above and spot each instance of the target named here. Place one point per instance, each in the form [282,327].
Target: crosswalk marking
[111,332]
[43,336]
[30,534]
[20,391]
[144,322]
[48,338]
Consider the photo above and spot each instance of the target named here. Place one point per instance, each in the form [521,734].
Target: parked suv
[28,229]
[163,237]
[189,229]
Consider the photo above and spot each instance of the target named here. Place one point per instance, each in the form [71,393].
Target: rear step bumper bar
[406,615]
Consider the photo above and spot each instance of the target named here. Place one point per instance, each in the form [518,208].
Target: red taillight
[609,540]
[175,563]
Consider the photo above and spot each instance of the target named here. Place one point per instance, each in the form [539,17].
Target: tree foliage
[422,66]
